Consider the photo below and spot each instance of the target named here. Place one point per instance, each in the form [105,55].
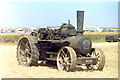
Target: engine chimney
[80,20]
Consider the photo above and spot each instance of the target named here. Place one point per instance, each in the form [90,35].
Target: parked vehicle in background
[99,30]
[110,31]
[1,30]
[111,38]
[118,30]
[20,31]
[105,30]
[10,31]
[89,30]
[27,30]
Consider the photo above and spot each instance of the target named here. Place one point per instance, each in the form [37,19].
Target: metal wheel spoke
[60,60]
[25,52]
[97,65]
[63,53]
[97,54]
[28,52]
[68,59]
[98,60]
[22,52]
[25,45]
[28,60]
[23,58]
[66,63]
[64,67]
[67,67]
[28,46]
[67,54]
[63,57]
[98,57]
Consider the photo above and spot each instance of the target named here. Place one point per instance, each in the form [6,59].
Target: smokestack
[80,20]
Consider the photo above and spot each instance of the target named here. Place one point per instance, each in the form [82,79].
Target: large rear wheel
[66,59]
[27,51]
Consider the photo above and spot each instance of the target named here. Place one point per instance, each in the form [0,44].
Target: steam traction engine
[66,46]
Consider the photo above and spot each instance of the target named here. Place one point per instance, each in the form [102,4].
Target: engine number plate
[87,60]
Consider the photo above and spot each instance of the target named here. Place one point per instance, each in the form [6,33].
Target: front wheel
[97,53]
[66,59]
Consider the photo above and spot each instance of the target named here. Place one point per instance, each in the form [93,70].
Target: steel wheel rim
[97,53]
[24,52]
[66,60]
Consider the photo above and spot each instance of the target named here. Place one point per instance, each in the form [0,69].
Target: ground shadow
[80,68]
[50,64]
[53,65]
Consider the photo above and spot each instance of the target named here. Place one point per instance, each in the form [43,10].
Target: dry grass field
[94,36]
[2,34]
[84,33]
[102,33]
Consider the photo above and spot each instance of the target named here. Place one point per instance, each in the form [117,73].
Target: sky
[54,13]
